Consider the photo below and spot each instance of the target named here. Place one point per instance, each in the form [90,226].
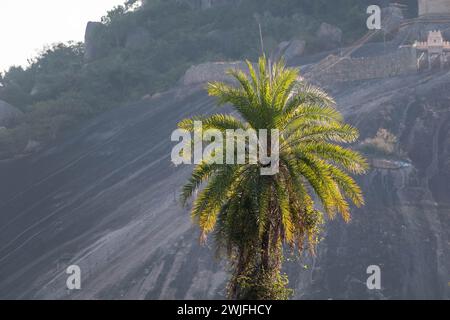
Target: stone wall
[434,7]
[341,69]
[211,71]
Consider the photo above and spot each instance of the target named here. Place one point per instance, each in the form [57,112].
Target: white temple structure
[435,51]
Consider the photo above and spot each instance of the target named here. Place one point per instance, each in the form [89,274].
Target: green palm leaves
[253,215]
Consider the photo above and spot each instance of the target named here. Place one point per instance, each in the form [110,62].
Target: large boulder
[296,48]
[329,36]
[211,71]
[93,49]
[8,114]
[290,49]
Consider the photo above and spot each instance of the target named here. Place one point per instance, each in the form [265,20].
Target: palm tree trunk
[271,254]
[265,248]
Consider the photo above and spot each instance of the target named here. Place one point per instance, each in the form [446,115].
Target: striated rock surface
[404,227]
[106,200]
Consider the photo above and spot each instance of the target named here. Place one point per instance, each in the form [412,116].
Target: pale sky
[27,25]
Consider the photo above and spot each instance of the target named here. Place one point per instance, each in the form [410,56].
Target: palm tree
[255,217]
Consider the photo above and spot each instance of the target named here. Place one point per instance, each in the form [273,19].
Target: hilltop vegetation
[145,49]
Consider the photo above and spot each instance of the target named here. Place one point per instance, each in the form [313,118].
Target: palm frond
[220,122]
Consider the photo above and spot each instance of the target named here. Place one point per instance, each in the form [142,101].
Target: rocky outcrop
[290,49]
[295,49]
[8,114]
[93,48]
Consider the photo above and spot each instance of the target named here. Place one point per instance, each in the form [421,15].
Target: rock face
[329,36]
[106,200]
[212,71]
[412,250]
[93,49]
[8,114]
